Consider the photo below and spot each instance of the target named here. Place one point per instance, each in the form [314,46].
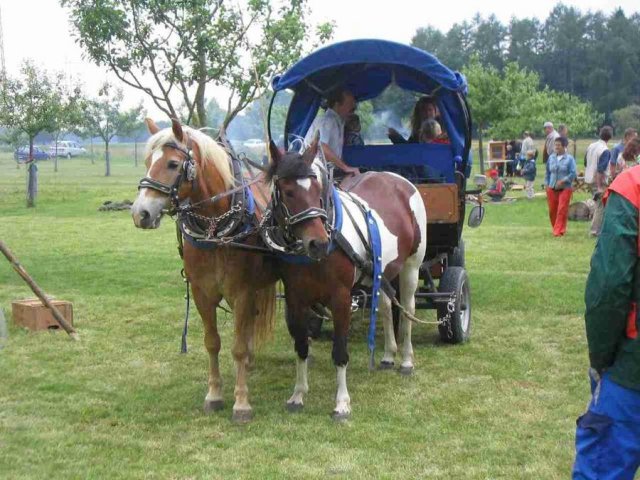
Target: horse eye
[288,193]
[172,165]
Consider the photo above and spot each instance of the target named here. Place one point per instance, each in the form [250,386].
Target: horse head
[298,203]
[176,165]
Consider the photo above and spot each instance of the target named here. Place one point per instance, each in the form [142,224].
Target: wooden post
[38,291]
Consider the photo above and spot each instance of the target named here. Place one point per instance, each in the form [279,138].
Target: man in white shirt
[597,160]
[341,103]
[549,142]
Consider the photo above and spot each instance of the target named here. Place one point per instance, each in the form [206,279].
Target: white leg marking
[409,280]
[343,401]
[390,346]
[302,384]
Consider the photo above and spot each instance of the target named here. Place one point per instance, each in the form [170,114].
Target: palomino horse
[400,214]
[186,164]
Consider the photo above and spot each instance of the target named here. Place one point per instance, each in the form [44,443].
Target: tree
[104,118]
[171,50]
[488,40]
[627,117]
[29,104]
[67,116]
[524,42]
[504,105]
[486,99]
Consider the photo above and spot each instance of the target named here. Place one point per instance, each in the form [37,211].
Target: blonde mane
[212,153]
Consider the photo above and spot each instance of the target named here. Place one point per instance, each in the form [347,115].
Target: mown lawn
[124,403]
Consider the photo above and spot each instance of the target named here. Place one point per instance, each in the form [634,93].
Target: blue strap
[376,248]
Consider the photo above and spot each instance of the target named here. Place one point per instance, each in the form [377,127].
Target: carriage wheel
[457,258]
[457,323]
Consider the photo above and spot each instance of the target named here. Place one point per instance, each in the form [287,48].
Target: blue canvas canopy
[367,68]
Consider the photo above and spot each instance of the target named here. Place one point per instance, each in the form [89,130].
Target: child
[431,132]
[497,191]
[529,173]
[352,129]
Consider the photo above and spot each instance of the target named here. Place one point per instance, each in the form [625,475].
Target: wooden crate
[441,202]
[32,314]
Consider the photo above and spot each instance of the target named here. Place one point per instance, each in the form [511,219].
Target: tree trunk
[93,160]
[575,147]
[480,151]
[55,158]
[32,178]
[107,158]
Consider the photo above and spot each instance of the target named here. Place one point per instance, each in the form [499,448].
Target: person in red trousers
[559,177]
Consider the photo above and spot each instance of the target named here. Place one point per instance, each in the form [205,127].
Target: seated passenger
[352,129]
[340,104]
[431,132]
[425,108]
[497,190]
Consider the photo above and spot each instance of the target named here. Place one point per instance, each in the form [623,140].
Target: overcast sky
[39,29]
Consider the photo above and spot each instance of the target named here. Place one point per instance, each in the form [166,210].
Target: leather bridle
[289,219]
[187,173]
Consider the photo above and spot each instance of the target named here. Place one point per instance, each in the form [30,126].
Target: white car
[67,148]
[255,143]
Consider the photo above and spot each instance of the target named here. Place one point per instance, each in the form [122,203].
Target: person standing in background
[618,163]
[559,177]
[551,136]
[597,159]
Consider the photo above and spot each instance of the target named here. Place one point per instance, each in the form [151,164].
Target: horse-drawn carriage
[239,234]
[440,171]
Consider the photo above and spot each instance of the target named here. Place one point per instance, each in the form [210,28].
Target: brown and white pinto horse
[242,278]
[402,221]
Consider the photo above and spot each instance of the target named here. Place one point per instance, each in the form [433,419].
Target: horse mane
[211,152]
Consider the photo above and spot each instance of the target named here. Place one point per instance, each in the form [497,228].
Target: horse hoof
[213,406]
[406,371]
[340,417]
[386,365]
[241,417]
[294,407]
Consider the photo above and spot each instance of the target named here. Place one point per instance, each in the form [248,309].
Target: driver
[341,104]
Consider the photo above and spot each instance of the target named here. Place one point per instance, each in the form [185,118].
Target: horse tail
[265,303]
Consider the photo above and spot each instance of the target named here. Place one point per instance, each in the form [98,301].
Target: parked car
[21,154]
[67,148]
[255,143]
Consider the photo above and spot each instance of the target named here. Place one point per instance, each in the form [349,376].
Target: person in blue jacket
[559,177]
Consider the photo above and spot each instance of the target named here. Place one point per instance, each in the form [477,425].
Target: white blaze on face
[155,156]
[304,183]
[146,202]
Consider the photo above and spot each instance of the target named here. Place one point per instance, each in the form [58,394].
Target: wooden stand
[32,314]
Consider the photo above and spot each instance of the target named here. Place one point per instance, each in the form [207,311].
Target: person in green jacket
[608,434]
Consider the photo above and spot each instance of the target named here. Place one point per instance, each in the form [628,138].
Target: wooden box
[32,314]
[497,151]
[441,202]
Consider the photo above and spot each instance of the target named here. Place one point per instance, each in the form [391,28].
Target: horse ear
[274,152]
[311,152]
[151,126]
[177,130]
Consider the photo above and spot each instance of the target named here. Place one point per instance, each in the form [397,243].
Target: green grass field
[124,403]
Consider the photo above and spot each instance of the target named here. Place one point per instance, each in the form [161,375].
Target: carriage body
[439,171]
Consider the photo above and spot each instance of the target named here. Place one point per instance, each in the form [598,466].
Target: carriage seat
[417,162]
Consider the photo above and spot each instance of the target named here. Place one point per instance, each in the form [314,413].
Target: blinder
[188,173]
